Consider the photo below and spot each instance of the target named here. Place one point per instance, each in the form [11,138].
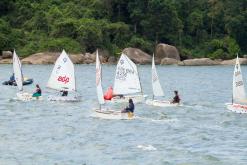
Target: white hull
[24,96]
[64,98]
[161,103]
[111,114]
[125,99]
[238,108]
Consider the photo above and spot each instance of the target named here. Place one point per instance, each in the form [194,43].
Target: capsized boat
[63,79]
[105,113]
[17,68]
[158,91]
[127,83]
[26,81]
[239,101]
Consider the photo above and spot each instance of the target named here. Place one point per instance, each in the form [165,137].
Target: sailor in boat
[64,93]
[38,91]
[176,99]
[12,79]
[129,109]
[108,94]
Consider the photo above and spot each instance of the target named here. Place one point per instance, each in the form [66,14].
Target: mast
[139,81]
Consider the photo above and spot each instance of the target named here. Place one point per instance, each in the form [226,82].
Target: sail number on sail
[123,72]
[239,83]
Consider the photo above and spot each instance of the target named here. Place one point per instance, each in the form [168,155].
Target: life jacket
[109,94]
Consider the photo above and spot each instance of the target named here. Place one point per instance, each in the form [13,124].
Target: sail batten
[17,71]
[238,84]
[126,78]
[63,74]
[98,80]
[157,89]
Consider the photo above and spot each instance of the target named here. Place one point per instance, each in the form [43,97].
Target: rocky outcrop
[41,58]
[169,61]
[7,54]
[242,61]
[138,56]
[112,60]
[166,51]
[6,61]
[198,62]
[50,58]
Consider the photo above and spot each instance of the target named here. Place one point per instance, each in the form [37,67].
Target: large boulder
[198,62]
[77,58]
[112,60]
[6,61]
[242,61]
[169,61]
[7,54]
[166,51]
[90,58]
[50,58]
[138,56]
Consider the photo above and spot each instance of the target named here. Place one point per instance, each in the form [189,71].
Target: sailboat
[127,82]
[103,112]
[21,95]
[157,90]
[63,79]
[239,101]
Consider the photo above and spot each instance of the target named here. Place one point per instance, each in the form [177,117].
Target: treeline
[199,28]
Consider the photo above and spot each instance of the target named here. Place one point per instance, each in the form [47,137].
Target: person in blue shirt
[129,108]
[11,79]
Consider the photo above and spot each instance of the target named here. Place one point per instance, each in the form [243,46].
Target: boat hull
[237,108]
[161,103]
[24,96]
[125,99]
[112,115]
[25,82]
[64,98]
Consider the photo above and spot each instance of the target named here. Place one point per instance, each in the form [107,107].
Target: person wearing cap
[176,99]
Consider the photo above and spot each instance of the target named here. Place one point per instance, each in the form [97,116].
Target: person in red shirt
[109,94]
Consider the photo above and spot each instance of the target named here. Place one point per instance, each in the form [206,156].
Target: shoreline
[136,55]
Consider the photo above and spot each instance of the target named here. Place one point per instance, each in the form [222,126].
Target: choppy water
[201,132]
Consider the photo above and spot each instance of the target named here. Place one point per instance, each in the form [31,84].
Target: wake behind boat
[105,113]
[158,91]
[63,79]
[239,101]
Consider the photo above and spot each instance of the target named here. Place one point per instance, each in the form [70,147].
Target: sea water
[202,131]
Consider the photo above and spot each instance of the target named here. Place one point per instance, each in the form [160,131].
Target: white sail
[238,84]
[126,78]
[157,89]
[63,74]
[17,71]
[98,80]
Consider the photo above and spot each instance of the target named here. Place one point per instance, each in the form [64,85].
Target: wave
[147,147]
